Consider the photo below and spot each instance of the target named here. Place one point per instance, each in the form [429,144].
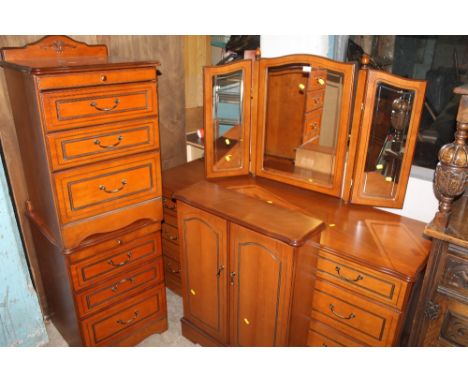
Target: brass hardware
[173,238]
[247,322]
[220,269]
[321,81]
[232,275]
[227,141]
[119,140]
[338,269]
[103,188]
[115,287]
[135,315]
[129,257]
[269,201]
[301,87]
[379,166]
[316,100]
[193,292]
[350,316]
[103,77]
[172,270]
[388,179]
[332,225]
[94,104]
[119,242]
[228,157]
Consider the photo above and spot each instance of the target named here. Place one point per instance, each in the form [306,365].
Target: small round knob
[246,321]
[103,77]
[321,81]
[301,87]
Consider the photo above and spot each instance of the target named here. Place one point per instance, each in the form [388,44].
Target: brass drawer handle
[135,315]
[172,270]
[94,104]
[129,257]
[97,142]
[115,287]
[338,269]
[103,188]
[232,275]
[350,316]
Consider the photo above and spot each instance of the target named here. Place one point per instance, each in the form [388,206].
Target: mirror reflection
[387,141]
[302,121]
[227,119]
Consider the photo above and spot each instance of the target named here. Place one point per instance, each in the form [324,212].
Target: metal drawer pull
[129,255]
[115,287]
[94,104]
[97,142]
[103,188]
[220,269]
[338,269]
[332,309]
[172,270]
[135,315]
[232,274]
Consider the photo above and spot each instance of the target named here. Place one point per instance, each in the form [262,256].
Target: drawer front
[170,249]
[324,336]
[78,107]
[170,219]
[106,327]
[171,267]
[317,79]
[355,316]
[84,146]
[170,233]
[169,205]
[314,100]
[119,288]
[104,77]
[312,126]
[362,280]
[97,189]
[105,265]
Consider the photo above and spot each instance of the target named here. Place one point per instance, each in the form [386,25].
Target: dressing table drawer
[87,145]
[102,266]
[353,315]
[351,276]
[79,107]
[120,288]
[169,206]
[317,79]
[102,77]
[312,126]
[109,326]
[172,274]
[170,233]
[314,100]
[323,335]
[96,189]
[170,249]
[170,219]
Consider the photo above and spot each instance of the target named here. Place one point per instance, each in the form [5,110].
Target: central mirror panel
[304,121]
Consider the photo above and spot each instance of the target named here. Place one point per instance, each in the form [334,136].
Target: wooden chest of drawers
[88,129]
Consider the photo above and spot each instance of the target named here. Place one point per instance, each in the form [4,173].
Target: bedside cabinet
[87,126]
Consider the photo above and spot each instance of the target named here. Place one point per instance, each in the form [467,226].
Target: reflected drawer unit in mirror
[87,125]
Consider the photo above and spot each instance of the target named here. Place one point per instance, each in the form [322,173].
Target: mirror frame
[208,73]
[348,70]
[361,133]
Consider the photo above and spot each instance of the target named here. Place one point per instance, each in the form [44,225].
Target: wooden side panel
[261,286]
[203,255]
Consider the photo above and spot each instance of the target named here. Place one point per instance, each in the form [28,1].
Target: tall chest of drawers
[87,126]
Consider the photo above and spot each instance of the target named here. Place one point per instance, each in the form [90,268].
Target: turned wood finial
[451,173]
[258,53]
[365,59]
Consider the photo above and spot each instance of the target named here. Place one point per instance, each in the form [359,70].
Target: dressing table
[277,242]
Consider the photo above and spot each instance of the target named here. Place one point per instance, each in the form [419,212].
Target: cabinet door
[260,278]
[227,90]
[203,260]
[387,138]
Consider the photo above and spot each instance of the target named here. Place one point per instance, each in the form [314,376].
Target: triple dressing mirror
[289,119]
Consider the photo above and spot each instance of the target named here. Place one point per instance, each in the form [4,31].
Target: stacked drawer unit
[314,105]
[88,131]
[354,305]
[170,245]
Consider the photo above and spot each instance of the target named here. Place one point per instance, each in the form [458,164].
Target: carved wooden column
[451,171]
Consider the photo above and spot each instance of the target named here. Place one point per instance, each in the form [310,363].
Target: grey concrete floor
[171,337]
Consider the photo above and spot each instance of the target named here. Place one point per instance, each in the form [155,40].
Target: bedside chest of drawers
[87,126]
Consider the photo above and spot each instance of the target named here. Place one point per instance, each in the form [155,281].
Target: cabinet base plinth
[196,335]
